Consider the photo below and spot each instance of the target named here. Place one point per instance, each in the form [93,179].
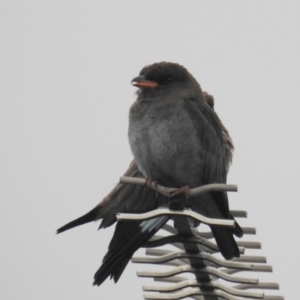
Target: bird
[178,141]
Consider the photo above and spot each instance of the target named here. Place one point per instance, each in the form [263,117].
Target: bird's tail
[128,237]
[237,230]
[226,242]
[215,205]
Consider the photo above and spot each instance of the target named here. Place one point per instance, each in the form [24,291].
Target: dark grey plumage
[177,139]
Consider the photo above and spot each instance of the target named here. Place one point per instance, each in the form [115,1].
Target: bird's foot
[182,190]
[149,182]
[179,198]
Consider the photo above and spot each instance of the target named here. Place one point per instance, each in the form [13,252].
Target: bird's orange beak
[142,82]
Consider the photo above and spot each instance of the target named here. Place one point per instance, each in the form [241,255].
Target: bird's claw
[149,182]
[178,198]
[182,190]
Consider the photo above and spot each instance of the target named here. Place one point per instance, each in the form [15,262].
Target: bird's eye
[169,79]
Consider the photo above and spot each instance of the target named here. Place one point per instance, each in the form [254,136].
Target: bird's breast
[164,142]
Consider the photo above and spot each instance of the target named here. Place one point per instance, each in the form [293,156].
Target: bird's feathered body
[177,139]
[158,146]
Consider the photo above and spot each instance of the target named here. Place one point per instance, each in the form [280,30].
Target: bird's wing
[128,237]
[227,141]
[123,198]
[216,156]
[209,128]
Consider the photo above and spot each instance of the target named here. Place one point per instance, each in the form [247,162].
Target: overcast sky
[65,70]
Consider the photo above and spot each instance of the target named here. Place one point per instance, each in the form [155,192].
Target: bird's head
[166,79]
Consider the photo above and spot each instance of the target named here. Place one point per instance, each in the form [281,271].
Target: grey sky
[65,70]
